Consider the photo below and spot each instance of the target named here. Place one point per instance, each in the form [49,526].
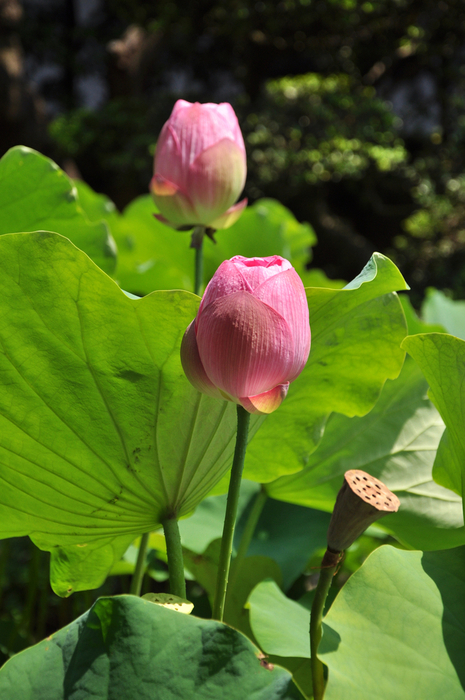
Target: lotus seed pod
[361,501]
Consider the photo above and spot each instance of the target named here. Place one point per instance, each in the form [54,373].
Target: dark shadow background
[352,111]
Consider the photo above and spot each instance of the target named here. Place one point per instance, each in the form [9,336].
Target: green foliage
[313,128]
[127,646]
[271,611]
[35,194]
[441,358]
[416,643]
[291,547]
[154,256]
[95,137]
[410,648]
[102,438]
[397,443]
[93,392]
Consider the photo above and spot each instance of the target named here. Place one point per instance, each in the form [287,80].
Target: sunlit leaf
[397,628]
[397,443]
[101,434]
[441,358]
[36,195]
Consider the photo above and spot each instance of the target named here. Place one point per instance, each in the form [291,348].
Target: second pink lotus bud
[200,167]
[251,336]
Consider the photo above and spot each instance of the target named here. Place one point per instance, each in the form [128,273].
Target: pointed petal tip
[267,402]
[161,187]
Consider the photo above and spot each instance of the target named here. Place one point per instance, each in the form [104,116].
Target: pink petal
[192,364]
[174,205]
[285,294]
[199,126]
[267,402]
[246,348]
[215,179]
[230,216]
[226,280]
[258,270]
[168,159]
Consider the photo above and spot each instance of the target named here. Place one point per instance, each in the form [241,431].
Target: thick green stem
[249,529]
[175,558]
[197,243]
[243,419]
[139,571]
[316,618]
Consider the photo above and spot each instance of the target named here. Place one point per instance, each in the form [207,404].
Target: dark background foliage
[352,111]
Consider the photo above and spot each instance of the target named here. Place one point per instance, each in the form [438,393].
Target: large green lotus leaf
[396,442]
[101,434]
[397,628]
[439,309]
[356,336]
[441,358]
[127,647]
[155,256]
[35,194]
[97,207]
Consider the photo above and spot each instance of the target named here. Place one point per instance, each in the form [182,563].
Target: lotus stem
[329,566]
[361,501]
[175,557]
[243,420]
[139,571]
[198,235]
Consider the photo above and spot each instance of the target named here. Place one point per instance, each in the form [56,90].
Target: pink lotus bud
[251,336]
[200,167]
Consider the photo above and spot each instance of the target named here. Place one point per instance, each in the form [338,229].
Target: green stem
[316,618]
[249,529]
[243,419]
[139,571]
[197,243]
[175,558]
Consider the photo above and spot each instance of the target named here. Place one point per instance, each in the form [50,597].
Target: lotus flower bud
[251,336]
[361,501]
[200,167]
